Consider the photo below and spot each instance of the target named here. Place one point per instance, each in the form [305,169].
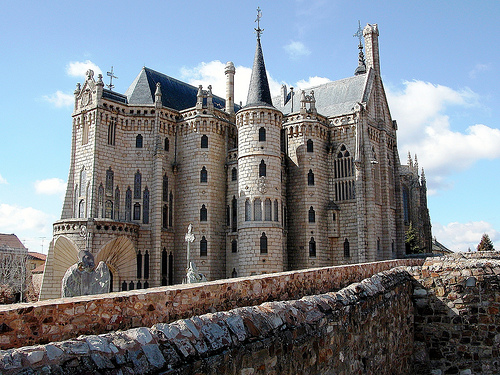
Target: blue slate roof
[176,94]
[108,94]
[333,98]
[258,91]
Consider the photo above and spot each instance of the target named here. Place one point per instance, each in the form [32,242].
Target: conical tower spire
[258,92]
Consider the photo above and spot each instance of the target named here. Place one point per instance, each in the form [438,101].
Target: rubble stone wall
[61,319]
[364,328]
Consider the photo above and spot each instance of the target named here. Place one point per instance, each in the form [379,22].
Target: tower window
[234,174]
[234,246]
[145,211]
[347,250]
[257,209]
[312,247]
[262,134]
[248,210]
[310,145]
[128,204]
[310,178]
[137,185]
[138,141]
[263,243]
[137,211]
[203,247]
[204,141]
[267,210]
[167,144]
[203,213]
[312,215]
[203,174]
[262,169]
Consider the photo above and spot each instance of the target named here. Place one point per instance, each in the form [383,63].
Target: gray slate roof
[333,98]
[258,91]
[176,94]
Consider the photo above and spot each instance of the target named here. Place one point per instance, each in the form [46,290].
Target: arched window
[310,178]
[164,216]
[117,204]
[83,181]
[128,204]
[137,211]
[262,169]
[146,268]
[108,209]
[234,214]
[145,206]
[234,273]
[170,210]
[248,210]
[100,200]
[234,174]
[203,247]
[81,208]
[310,145]
[312,215]
[268,210]
[275,210]
[137,185]
[165,188]
[138,141]
[263,243]
[203,213]
[111,132]
[262,134]
[139,265]
[234,246]
[347,250]
[203,175]
[312,247]
[164,266]
[343,166]
[257,209]
[167,144]
[204,141]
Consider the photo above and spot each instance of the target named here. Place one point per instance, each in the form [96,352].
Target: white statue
[83,278]
[193,275]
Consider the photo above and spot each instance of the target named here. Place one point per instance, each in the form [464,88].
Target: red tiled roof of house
[10,241]
[38,256]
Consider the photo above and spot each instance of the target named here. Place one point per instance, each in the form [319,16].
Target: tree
[13,272]
[411,241]
[485,244]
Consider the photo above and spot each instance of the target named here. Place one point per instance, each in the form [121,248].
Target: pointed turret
[258,92]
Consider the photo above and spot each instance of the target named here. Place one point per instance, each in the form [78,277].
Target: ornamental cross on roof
[359,32]
[258,30]
[111,76]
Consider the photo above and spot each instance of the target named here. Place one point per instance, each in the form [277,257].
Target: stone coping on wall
[61,319]
[199,343]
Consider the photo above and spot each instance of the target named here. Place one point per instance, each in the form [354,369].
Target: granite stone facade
[307,179]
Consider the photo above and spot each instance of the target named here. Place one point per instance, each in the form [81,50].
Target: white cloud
[425,129]
[312,82]
[462,236]
[15,219]
[296,50]
[212,73]
[479,68]
[79,68]
[60,99]
[3,180]
[50,186]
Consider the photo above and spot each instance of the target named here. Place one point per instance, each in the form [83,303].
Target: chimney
[229,72]
[370,33]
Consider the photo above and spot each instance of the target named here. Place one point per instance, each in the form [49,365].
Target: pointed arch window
[139,264]
[248,210]
[164,216]
[128,204]
[83,181]
[117,204]
[204,141]
[109,181]
[108,209]
[262,169]
[312,215]
[312,247]
[137,185]
[234,174]
[310,178]
[262,134]
[138,141]
[81,208]
[234,273]
[257,209]
[203,213]
[203,247]
[137,211]
[164,266]
[267,210]
[167,144]
[146,268]
[344,175]
[275,210]
[234,214]
[100,199]
[165,188]
[145,206]
[347,250]
[112,131]
[234,246]
[203,175]
[310,145]
[263,243]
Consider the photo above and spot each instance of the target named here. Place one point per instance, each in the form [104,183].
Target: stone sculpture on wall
[83,278]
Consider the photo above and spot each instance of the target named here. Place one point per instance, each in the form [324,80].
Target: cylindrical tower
[260,230]
[229,71]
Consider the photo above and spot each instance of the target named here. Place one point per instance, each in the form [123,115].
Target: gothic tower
[260,230]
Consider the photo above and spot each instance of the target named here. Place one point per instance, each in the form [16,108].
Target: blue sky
[439,63]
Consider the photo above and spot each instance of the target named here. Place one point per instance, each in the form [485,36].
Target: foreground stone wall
[61,319]
[457,315]
[364,328]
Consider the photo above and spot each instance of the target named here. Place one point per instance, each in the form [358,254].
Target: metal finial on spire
[359,32]
[258,30]
[111,76]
